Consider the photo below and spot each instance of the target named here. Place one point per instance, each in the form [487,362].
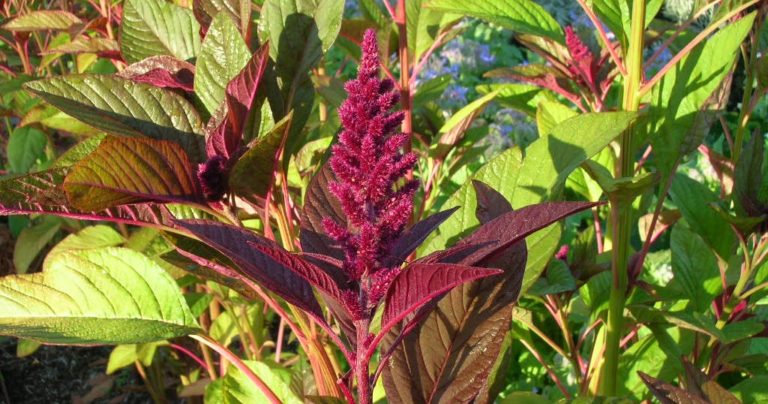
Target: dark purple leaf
[511,227]
[240,99]
[417,284]
[162,71]
[490,203]
[450,353]
[320,203]
[305,269]
[413,237]
[238,245]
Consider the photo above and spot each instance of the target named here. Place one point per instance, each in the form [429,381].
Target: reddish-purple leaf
[125,170]
[240,99]
[42,192]
[450,352]
[162,71]
[320,203]
[668,393]
[418,284]
[413,237]
[238,245]
[509,228]
[305,269]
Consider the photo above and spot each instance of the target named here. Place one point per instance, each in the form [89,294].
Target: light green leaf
[239,11]
[26,146]
[126,170]
[42,20]
[31,242]
[126,355]
[89,238]
[454,128]
[122,107]
[539,176]
[105,296]
[235,388]
[158,27]
[522,97]
[26,347]
[550,114]
[222,56]
[523,16]
[647,356]
[79,151]
[677,123]
[616,14]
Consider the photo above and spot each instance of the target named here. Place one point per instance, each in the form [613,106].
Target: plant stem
[364,393]
[405,73]
[621,208]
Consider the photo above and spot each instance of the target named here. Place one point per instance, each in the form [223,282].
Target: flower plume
[370,167]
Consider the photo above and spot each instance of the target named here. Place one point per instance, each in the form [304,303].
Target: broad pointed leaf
[677,100]
[508,228]
[43,192]
[105,296]
[223,54]
[523,16]
[122,107]
[162,71]
[158,27]
[42,20]
[305,269]
[130,170]
[241,101]
[252,174]
[414,236]
[237,244]
[418,284]
[320,203]
[299,33]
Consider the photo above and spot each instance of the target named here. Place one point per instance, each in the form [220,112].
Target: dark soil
[58,374]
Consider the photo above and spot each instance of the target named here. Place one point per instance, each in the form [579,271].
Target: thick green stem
[621,208]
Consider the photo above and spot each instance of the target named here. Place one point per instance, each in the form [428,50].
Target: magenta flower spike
[370,168]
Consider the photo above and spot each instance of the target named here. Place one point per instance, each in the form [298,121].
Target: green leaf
[617,15]
[693,199]
[550,114]
[26,347]
[105,296]
[558,279]
[299,33]
[252,173]
[130,170]
[695,269]
[523,182]
[524,397]
[752,390]
[523,16]
[31,242]
[235,388]
[158,27]
[42,20]
[26,146]
[222,56]
[122,107]
[677,124]
[647,356]
[454,128]
[522,97]
[126,355]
